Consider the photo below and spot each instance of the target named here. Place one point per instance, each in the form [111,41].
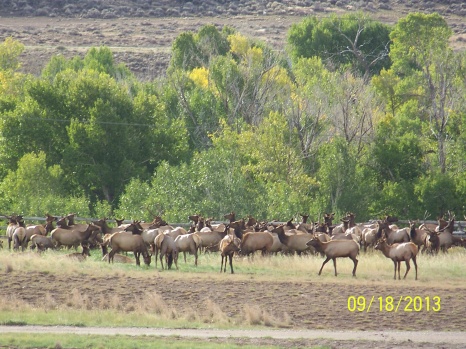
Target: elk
[295,242]
[167,247]
[81,257]
[13,223]
[392,235]
[70,238]
[398,253]
[19,235]
[41,242]
[211,238]
[446,237]
[418,236]
[256,241]
[122,241]
[228,246]
[432,242]
[188,243]
[335,249]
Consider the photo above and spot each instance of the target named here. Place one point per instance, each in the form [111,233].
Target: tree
[10,50]
[36,189]
[353,40]
[420,53]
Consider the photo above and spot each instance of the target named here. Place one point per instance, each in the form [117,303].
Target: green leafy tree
[35,188]
[352,39]
[10,50]
[421,54]
[437,194]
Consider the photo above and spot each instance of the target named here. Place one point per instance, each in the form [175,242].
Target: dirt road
[337,339]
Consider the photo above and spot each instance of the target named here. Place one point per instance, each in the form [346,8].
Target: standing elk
[398,253]
[418,236]
[12,225]
[167,247]
[293,240]
[188,243]
[73,238]
[336,249]
[228,246]
[392,236]
[256,241]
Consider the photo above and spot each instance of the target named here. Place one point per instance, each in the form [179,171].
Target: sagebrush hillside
[180,8]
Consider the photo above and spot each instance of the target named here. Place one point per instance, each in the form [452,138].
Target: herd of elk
[241,237]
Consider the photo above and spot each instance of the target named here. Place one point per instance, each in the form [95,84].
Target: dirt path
[339,339]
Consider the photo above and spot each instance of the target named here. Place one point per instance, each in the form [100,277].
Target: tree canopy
[355,116]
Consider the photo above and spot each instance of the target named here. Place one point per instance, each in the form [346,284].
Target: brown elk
[167,247]
[418,236]
[336,249]
[256,241]
[125,242]
[228,246]
[294,241]
[41,242]
[81,257]
[10,229]
[73,238]
[398,253]
[188,243]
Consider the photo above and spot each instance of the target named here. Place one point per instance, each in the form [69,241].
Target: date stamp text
[395,304]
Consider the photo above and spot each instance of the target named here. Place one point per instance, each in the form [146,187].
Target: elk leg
[231,263]
[110,256]
[221,265]
[399,267]
[407,268]
[394,264]
[161,259]
[355,261]
[322,267]
[335,265]
[415,265]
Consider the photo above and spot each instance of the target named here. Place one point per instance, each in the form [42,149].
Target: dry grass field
[275,292]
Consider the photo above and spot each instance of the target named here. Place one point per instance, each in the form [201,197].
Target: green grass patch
[26,340]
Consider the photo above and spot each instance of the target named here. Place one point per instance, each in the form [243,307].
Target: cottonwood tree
[353,40]
[421,54]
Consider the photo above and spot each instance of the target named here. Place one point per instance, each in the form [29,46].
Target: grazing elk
[41,242]
[125,242]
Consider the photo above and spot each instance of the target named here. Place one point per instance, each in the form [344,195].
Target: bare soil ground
[143,44]
[318,304]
